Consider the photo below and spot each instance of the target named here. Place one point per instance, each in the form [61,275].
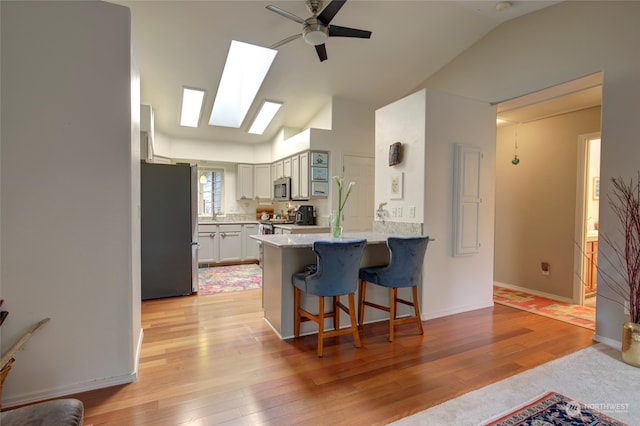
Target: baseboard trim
[80,387]
[455,310]
[68,390]
[615,344]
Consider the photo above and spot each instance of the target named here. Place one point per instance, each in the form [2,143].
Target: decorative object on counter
[395,153]
[336,216]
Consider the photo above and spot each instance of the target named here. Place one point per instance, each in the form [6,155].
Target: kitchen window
[210,194]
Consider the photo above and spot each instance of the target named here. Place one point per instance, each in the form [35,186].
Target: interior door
[359,210]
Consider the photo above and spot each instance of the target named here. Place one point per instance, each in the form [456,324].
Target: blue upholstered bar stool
[406,256]
[336,275]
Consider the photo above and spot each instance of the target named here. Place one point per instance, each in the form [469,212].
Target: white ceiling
[185,43]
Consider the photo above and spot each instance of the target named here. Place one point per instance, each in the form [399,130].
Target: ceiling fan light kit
[316,29]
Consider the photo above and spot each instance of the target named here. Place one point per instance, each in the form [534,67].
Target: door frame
[582,197]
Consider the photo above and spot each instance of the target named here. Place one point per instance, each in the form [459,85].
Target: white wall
[70,198]
[558,44]
[428,125]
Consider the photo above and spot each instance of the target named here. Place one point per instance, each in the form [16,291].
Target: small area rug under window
[225,279]
[555,409]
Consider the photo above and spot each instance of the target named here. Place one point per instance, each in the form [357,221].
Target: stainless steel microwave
[282,189]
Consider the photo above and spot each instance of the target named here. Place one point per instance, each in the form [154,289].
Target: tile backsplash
[397,228]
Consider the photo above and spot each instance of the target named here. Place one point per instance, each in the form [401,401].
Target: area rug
[225,279]
[583,316]
[555,409]
[595,376]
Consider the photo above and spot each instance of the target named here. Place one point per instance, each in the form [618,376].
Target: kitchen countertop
[291,226]
[235,222]
[307,240]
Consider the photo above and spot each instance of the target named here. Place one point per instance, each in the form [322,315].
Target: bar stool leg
[320,324]
[393,295]
[361,298]
[296,312]
[354,324]
[336,313]
[416,308]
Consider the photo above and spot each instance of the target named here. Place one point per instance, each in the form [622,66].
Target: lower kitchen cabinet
[208,246]
[227,243]
[230,243]
[250,248]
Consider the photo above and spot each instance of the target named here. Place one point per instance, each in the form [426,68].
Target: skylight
[191,107]
[246,67]
[268,110]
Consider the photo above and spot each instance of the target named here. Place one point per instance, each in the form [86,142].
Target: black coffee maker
[304,215]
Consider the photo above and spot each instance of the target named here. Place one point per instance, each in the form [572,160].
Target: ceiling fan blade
[286,14]
[336,31]
[322,52]
[285,41]
[330,11]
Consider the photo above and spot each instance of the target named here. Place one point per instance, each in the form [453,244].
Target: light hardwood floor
[209,360]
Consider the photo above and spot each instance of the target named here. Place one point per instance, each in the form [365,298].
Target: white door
[359,210]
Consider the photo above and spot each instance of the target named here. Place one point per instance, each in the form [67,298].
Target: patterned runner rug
[224,279]
[555,409]
[583,316]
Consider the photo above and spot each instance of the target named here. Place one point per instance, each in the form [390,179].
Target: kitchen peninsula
[284,255]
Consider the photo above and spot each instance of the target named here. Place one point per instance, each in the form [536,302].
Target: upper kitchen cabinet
[262,182]
[286,167]
[300,176]
[244,182]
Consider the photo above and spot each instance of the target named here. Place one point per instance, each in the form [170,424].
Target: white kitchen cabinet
[286,167]
[303,181]
[279,166]
[250,246]
[262,183]
[295,177]
[230,237]
[208,247]
[244,182]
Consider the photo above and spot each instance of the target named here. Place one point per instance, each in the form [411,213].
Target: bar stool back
[336,275]
[404,270]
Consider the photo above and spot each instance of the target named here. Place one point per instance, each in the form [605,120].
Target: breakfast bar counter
[284,255]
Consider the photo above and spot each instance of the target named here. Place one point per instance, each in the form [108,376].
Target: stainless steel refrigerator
[168,197]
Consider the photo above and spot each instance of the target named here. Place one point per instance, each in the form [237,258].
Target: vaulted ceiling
[185,43]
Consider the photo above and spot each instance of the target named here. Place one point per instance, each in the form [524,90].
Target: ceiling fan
[316,29]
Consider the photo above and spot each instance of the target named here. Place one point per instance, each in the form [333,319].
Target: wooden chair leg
[416,308]
[296,312]
[320,325]
[361,298]
[393,295]
[336,313]
[354,324]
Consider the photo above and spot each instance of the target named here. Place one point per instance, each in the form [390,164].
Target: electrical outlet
[412,211]
[399,211]
[544,267]
[394,212]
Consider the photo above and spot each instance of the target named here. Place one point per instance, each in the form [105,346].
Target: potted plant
[624,278]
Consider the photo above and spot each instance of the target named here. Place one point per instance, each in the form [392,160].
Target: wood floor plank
[211,360]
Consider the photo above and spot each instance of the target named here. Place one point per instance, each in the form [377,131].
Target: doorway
[540,239]
[587,214]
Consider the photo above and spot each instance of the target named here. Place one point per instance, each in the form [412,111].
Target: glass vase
[336,224]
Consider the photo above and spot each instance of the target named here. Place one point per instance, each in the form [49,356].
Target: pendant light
[515,160]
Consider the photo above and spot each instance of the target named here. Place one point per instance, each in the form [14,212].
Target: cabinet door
[295,177]
[207,247]
[262,183]
[250,247]
[303,182]
[286,167]
[244,182]
[279,170]
[230,243]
